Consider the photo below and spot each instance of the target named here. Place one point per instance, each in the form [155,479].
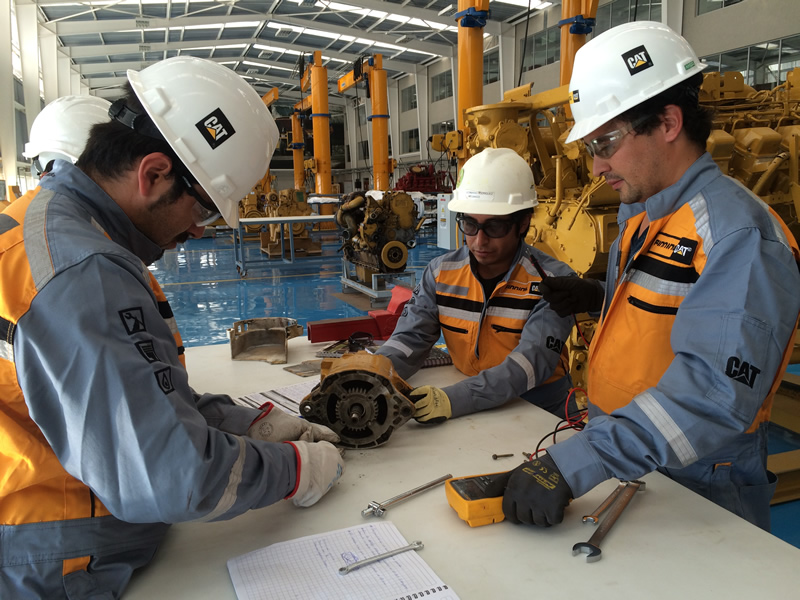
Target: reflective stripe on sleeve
[228,497]
[526,365]
[676,439]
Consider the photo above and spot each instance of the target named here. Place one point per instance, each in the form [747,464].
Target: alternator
[361,398]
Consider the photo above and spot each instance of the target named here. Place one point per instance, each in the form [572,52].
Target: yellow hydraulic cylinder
[470,67]
[297,152]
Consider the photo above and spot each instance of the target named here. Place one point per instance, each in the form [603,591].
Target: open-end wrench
[594,518]
[592,547]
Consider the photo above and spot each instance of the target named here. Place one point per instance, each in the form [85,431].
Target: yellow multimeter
[467,495]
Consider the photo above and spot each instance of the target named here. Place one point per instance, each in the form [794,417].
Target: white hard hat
[215,122]
[62,127]
[622,68]
[496,181]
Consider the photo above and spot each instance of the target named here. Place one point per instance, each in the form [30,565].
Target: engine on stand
[376,234]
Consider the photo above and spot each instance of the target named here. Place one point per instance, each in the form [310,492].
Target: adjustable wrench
[592,547]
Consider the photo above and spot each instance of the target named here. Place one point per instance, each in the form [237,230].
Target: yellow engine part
[361,397]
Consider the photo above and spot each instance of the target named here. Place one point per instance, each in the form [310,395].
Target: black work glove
[535,493]
[570,295]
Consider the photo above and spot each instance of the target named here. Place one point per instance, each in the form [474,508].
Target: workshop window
[362,114]
[491,66]
[410,142]
[442,127]
[441,86]
[706,6]
[620,12]
[763,66]
[541,49]
[363,150]
[408,98]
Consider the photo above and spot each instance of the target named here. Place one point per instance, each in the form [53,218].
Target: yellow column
[572,42]
[297,152]
[379,92]
[320,119]
[470,67]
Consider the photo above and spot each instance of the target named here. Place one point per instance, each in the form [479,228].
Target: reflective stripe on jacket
[695,334]
[507,344]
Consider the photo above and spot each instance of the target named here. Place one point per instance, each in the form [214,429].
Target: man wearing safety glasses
[701,300]
[104,442]
[484,297]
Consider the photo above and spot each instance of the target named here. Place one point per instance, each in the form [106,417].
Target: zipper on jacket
[451,328]
[501,329]
[652,308]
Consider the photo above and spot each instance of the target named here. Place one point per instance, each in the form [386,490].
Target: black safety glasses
[493,228]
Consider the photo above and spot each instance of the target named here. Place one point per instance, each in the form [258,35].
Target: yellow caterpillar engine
[377,233]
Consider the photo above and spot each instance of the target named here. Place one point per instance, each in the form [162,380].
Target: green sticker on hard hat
[215,128]
[637,60]
[688,65]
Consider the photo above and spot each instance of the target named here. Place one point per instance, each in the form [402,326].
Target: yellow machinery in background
[377,233]
[289,203]
[756,139]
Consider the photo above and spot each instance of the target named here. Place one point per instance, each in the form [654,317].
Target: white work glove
[275,425]
[319,466]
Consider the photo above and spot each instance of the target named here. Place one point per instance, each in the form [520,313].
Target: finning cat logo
[215,128]
[741,371]
[637,60]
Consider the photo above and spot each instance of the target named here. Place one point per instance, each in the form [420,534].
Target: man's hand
[535,493]
[570,295]
[319,466]
[275,425]
[431,405]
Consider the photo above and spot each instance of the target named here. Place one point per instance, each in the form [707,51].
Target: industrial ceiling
[262,40]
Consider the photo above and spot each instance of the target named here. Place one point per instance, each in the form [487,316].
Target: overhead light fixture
[283,33]
[447,10]
[402,39]
[308,3]
[265,54]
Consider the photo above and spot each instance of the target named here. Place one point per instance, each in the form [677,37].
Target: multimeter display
[467,495]
[472,488]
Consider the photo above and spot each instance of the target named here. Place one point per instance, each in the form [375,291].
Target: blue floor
[207,295]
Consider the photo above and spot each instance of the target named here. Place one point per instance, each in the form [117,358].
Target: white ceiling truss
[262,40]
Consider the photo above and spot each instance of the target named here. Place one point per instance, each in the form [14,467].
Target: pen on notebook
[368,561]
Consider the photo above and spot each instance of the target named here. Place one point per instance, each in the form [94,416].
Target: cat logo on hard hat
[215,128]
[637,60]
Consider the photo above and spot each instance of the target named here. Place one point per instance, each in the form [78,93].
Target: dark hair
[114,148]
[696,118]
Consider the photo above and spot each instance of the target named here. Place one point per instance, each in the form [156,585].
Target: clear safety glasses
[604,146]
[203,212]
[493,228]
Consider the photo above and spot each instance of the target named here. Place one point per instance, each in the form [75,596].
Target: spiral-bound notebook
[308,568]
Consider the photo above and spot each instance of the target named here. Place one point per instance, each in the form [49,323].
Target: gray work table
[669,543]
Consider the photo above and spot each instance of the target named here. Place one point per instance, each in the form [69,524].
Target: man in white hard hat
[700,305]
[104,442]
[484,297]
[61,129]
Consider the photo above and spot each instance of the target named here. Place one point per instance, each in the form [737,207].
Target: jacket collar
[667,201]
[69,180]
